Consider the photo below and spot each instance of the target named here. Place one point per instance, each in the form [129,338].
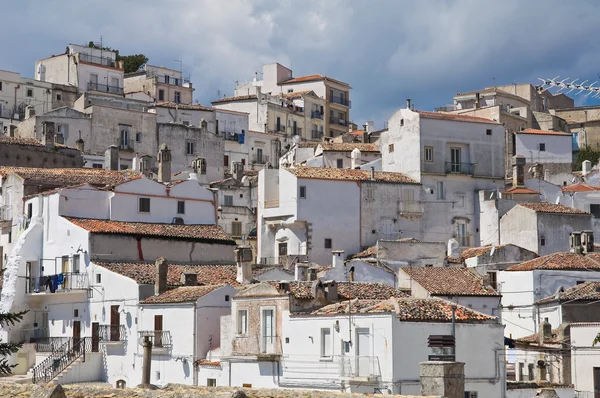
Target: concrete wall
[583,355]
[416,254]
[39,157]
[191,117]
[557,148]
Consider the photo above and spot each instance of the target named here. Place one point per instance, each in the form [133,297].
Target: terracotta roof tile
[453,116]
[310,78]
[195,232]
[560,261]
[5,139]
[183,294]
[194,107]
[544,207]
[349,147]
[297,94]
[535,338]
[349,174]
[349,290]
[580,187]
[408,309]
[449,281]
[307,144]
[520,190]
[238,98]
[454,260]
[583,291]
[367,253]
[544,132]
[478,251]
[72,176]
[356,132]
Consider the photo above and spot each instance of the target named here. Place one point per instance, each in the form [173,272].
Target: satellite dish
[557,201]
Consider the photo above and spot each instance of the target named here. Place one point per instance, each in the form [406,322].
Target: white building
[159,84]
[550,149]
[342,155]
[308,211]
[453,157]
[188,115]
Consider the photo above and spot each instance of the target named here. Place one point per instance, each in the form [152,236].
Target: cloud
[386,50]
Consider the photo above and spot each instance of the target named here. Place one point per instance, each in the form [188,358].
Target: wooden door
[158,327]
[115,322]
[95,337]
[76,332]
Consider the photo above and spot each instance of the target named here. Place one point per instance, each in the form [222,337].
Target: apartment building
[159,84]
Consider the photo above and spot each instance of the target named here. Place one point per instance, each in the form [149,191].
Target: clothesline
[48,282]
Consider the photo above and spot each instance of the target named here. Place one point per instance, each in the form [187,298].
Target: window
[9,236]
[185,122]
[530,371]
[401,122]
[460,201]
[228,200]
[76,263]
[75,313]
[429,154]
[144,205]
[369,194]
[488,131]
[189,147]
[282,249]
[542,147]
[326,342]
[181,207]
[30,92]
[595,210]
[268,329]
[455,157]
[236,228]
[542,241]
[226,160]
[278,124]
[259,155]
[328,243]
[0,86]
[177,97]
[391,148]
[97,165]
[58,96]
[167,79]
[242,321]
[138,137]
[441,195]
[290,90]
[226,297]
[493,280]
[161,95]
[302,192]
[124,137]
[340,163]
[211,382]
[98,278]
[176,81]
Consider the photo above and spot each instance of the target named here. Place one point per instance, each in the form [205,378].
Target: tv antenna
[571,86]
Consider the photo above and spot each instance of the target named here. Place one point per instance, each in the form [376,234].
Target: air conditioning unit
[177,221]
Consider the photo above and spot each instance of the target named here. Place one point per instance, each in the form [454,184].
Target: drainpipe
[194,356]
[453,321]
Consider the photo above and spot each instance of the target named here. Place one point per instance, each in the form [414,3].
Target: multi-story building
[453,157]
[583,122]
[83,67]
[188,115]
[159,84]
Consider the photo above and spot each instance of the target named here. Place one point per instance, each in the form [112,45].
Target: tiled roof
[310,78]
[545,207]
[543,132]
[478,251]
[96,177]
[356,132]
[297,94]
[454,260]
[309,144]
[238,98]
[194,107]
[580,187]
[449,281]
[8,140]
[349,174]
[367,253]
[183,294]
[583,291]
[560,261]
[520,190]
[196,232]
[145,273]
[453,116]
[408,309]
[349,290]
[349,147]
[535,338]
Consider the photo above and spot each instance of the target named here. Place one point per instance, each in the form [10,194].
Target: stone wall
[39,156]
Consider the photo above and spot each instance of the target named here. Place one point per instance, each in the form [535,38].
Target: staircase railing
[59,360]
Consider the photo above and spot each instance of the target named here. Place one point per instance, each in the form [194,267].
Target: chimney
[355,158]
[586,167]
[301,272]
[243,258]
[79,144]
[408,103]
[145,165]
[518,165]
[331,290]
[365,137]
[189,278]
[351,274]
[237,170]
[338,259]
[48,131]
[111,158]
[372,173]
[160,283]
[538,171]
[442,379]
[164,163]
[545,333]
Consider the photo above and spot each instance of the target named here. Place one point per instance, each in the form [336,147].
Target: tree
[7,349]
[587,153]
[131,63]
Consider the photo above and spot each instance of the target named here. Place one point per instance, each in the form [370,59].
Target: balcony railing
[171,81]
[340,100]
[410,207]
[159,338]
[316,115]
[353,367]
[337,120]
[111,333]
[104,88]
[71,281]
[260,159]
[459,168]
[98,60]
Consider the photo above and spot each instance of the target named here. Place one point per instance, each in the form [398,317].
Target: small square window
[181,207]
[241,196]
[542,147]
[488,132]
[401,122]
[226,297]
[30,92]
[98,278]
[328,243]
[211,382]
[302,192]
[97,165]
[429,154]
[543,242]
[138,137]
[144,205]
[58,96]
[391,148]
[228,200]
[340,163]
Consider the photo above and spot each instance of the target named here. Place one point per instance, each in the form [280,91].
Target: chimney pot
[164,164]
[408,103]
[243,257]
[111,158]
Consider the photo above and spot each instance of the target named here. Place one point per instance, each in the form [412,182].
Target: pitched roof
[297,94]
[550,208]
[456,117]
[349,175]
[449,281]
[349,290]
[71,176]
[535,338]
[544,132]
[367,253]
[183,294]
[195,232]
[560,261]
[520,190]
[193,107]
[307,144]
[310,78]
[580,187]
[408,309]
[583,291]
[32,142]
[478,251]
[238,98]
[349,147]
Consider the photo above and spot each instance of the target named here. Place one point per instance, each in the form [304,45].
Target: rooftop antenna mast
[564,84]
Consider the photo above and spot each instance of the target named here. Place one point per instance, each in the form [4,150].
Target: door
[455,160]
[461,233]
[95,336]
[596,382]
[363,352]
[65,271]
[115,322]
[267,330]
[76,333]
[158,327]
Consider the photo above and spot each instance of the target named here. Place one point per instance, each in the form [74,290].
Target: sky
[387,50]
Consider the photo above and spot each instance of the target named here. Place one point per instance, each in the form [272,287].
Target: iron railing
[49,344]
[159,338]
[337,120]
[459,168]
[360,366]
[105,88]
[59,360]
[108,333]
[98,60]
[262,159]
[70,281]
[340,100]
[173,81]
[316,115]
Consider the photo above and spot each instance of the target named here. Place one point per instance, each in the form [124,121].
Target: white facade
[189,115]
[21,98]
[544,148]
[584,357]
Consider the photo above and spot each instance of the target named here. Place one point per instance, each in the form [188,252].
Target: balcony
[260,159]
[112,334]
[360,368]
[337,120]
[340,100]
[160,339]
[104,88]
[316,115]
[460,168]
[72,282]
[410,207]
[173,81]
[98,60]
